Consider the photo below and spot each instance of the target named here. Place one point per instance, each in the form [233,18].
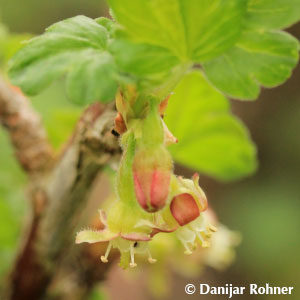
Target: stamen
[188,250]
[104,258]
[204,244]
[132,263]
[150,259]
[208,234]
[198,233]
[212,228]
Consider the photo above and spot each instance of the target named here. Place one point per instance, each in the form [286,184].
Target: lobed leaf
[93,77]
[258,58]
[194,30]
[272,14]
[77,46]
[144,62]
[231,39]
[210,138]
[157,40]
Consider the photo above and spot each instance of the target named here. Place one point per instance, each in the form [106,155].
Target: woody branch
[60,191]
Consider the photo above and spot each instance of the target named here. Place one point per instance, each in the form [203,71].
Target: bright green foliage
[151,44]
[154,38]
[147,64]
[210,138]
[75,46]
[272,14]
[236,61]
[259,58]
[193,30]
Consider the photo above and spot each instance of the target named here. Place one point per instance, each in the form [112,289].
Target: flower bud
[152,174]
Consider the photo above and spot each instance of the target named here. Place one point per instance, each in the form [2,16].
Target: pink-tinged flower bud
[152,174]
[184,209]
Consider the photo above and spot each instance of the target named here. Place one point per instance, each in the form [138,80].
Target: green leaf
[211,139]
[194,30]
[77,46]
[143,61]
[259,58]
[272,14]
[109,24]
[94,77]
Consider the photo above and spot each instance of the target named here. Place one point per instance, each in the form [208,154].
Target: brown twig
[25,129]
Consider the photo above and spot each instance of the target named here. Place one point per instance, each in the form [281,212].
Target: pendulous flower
[126,237]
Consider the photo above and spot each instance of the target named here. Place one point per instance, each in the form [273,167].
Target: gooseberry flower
[152,174]
[187,207]
[128,243]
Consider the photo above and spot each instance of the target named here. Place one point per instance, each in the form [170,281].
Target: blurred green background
[264,208]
